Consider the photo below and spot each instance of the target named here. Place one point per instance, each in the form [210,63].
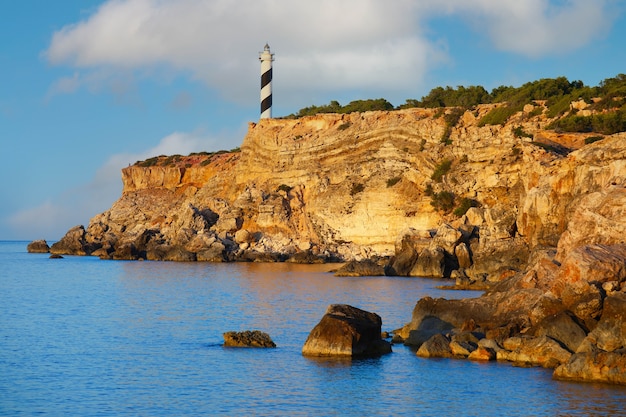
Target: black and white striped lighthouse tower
[266,58]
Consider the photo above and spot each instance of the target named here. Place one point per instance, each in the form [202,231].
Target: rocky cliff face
[359,185]
[540,222]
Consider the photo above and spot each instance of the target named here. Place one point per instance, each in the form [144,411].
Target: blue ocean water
[85,337]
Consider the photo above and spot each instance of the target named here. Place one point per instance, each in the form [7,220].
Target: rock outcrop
[346,331]
[355,186]
[248,338]
[366,267]
[38,246]
[566,311]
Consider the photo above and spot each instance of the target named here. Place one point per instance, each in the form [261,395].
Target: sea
[80,336]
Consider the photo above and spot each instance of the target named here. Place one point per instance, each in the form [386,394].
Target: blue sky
[88,87]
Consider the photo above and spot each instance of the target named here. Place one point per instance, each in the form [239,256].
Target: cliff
[359,185]
[536,217]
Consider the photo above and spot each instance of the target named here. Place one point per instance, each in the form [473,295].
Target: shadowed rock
[430,263]
[38,246]
[248,338]
[306,257]
[366,267]
[438,346]
[346,331]
[73,243]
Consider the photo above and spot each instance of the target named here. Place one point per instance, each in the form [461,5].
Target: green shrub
[148,162]
[548,147]
[535,112]
[452,119]
[353,106]
[465,205]
[609,123]
[440,170]
[284,187]
[393,181]
[461,96]
[356,188]
[558,105]
[440,112]
[592,139]
[344,126]
[429,189]
[443,201]
[518,132]
[172,159]
[604,123]
[499,115]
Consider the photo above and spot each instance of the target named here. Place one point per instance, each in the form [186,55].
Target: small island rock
[38,246]
[248,338]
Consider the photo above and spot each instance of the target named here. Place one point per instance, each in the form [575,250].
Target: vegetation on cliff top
[605,110]
[607,103]
[202,158]
[335,107]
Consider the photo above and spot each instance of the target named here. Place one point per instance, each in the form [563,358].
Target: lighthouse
[266,57]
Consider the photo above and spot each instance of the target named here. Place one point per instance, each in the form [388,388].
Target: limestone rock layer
[354,186]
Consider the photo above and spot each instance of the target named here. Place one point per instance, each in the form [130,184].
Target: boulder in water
[38,246]
[248,338]
[347,331]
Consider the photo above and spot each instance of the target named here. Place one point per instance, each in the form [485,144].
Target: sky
[88,87]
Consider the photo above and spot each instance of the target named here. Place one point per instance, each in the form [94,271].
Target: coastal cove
[82,336]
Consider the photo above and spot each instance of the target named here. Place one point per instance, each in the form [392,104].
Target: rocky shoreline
[542,232]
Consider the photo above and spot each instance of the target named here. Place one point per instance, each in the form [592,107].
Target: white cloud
[53,218]
[359,44]
[533,28]
[373,47]
[183,100]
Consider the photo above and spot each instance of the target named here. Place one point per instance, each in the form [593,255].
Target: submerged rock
[366,267]
[248,338]
[347,331]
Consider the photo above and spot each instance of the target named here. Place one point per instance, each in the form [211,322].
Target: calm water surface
[85,337]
